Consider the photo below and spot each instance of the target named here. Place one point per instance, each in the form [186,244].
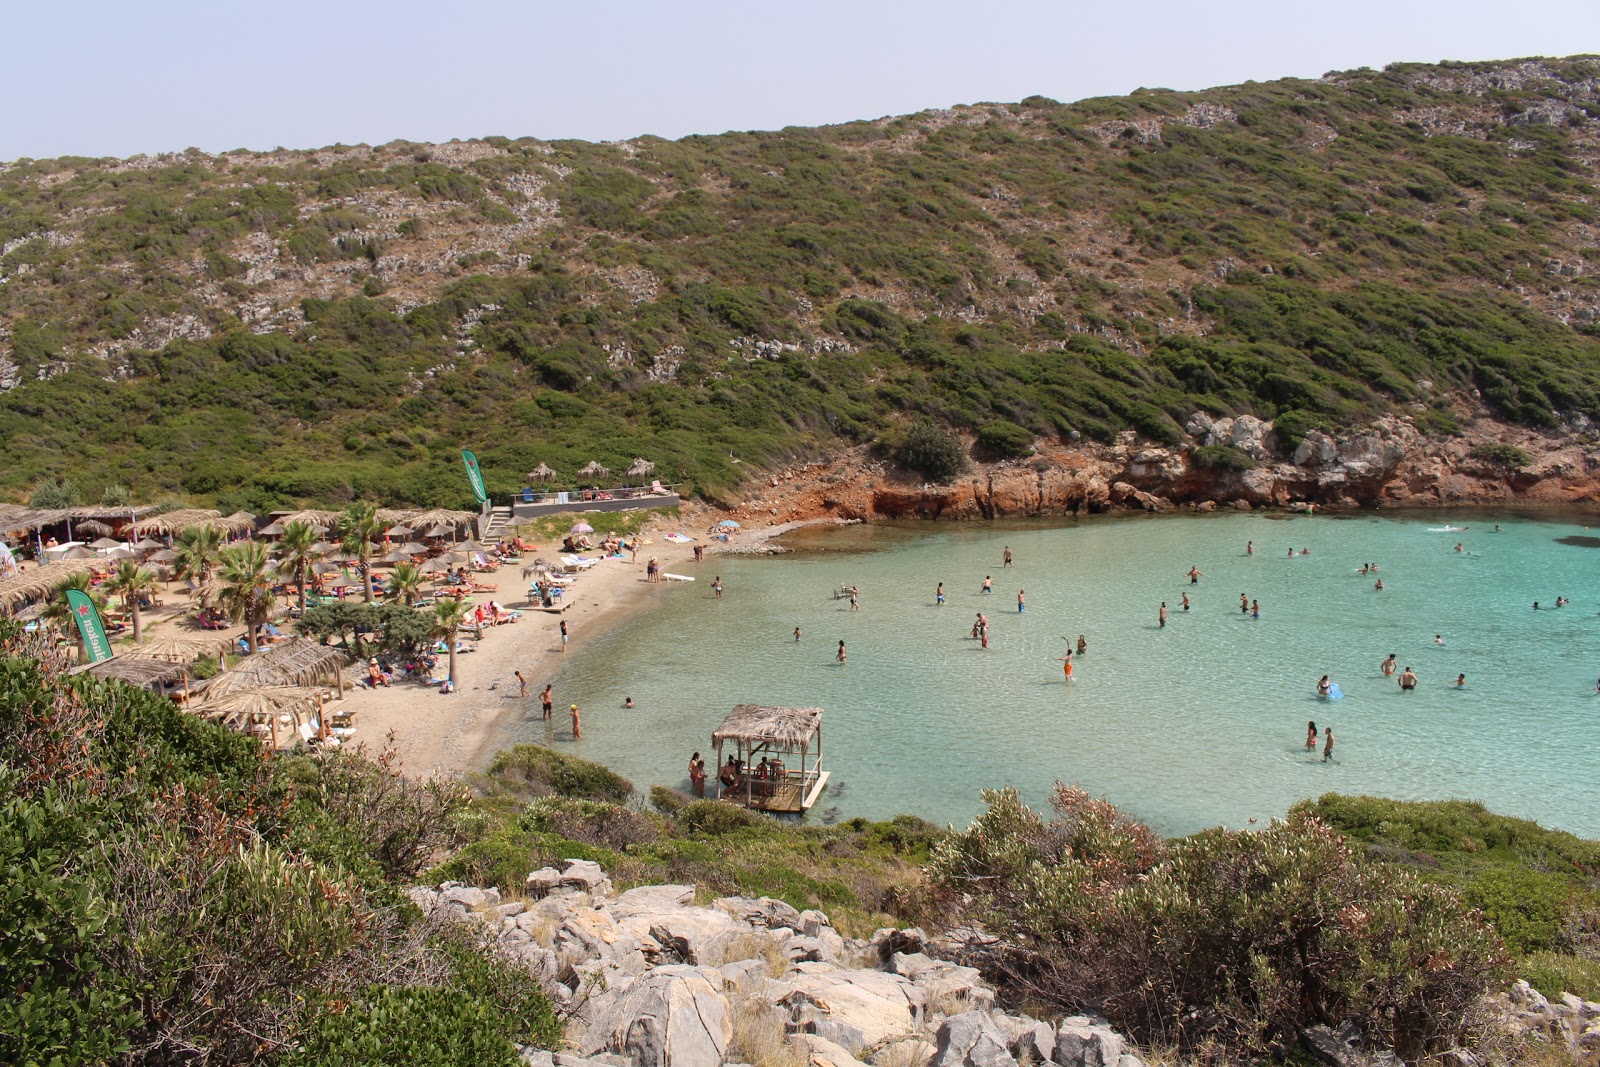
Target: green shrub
[1526,907]
[422,1025]
[1005,440]
[933,452]
[532,771]
[1508,456]
[714,818]
[1223,458]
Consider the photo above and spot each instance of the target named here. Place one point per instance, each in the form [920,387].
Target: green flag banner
[89,625]
[474,475]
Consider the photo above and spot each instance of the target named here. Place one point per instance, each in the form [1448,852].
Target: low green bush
[1005,440]
[1223,458]
[529,771]
[933,452]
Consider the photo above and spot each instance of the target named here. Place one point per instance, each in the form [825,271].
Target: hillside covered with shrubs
[251,329]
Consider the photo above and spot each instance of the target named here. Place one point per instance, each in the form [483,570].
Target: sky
[96,78]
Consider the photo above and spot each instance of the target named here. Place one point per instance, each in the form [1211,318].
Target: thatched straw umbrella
[105,542]
[262,704]
[179,647]
[594,469]
[400,530]
[145,544]
[641,468]
[94,526]
[312,517]
[542,473]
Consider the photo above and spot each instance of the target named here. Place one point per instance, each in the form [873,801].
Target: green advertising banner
[89,625]
[474,475]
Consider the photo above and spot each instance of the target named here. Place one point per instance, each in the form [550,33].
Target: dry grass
[760,1035]
[752,946]
[906,1054]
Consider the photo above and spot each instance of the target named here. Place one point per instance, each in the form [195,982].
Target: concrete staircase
[499,518]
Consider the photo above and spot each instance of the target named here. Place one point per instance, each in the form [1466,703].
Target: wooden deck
[792,795]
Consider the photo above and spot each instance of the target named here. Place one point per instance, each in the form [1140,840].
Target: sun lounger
[578,562]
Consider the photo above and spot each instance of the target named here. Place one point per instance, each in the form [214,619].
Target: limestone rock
[820,1052]
[673,1017]
[855,1008]
[1086,1046]
[971,1039]
[943,982]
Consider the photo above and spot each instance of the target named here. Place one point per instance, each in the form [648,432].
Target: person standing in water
[1083,646]
[716,586]
[697,775]
[938,595]
[1066,665]
[1255,609]
[1461,681]
[1311,736]
[1195,574]
[1408,681]
[1327,748]
[1161,616]
[1184,603]
[1389,666]
[840,656]
[1324,687]
[855,598]
[1006,559]
[522,685]
[988,584]
[1249,548]
[1021,603]
[547,701]
[577,724]
[797,635]
[1244,603]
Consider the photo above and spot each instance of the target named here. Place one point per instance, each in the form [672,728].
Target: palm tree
[247,586]
[406,583]
[297,551]
[358,529]
[131,582]
[449,615]
[59,612]
[197,550]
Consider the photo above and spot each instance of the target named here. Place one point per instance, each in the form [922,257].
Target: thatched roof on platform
[758,722]
[145,673]
[181,647]
[294,661]
[18,517]
[39,581]
[178,521]
[317,518]
[249,705]
[640,468]
[594,469]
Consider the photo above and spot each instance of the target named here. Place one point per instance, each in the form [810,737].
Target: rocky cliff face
[1388,463]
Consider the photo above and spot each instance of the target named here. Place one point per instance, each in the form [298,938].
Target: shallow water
[1197,724]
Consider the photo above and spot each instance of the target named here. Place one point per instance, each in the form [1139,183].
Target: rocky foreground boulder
[650,978]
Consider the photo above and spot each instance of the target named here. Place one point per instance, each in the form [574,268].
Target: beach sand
[436,733]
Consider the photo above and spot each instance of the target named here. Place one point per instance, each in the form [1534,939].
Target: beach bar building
[788,740]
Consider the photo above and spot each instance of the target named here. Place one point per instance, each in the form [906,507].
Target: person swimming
[1461,681]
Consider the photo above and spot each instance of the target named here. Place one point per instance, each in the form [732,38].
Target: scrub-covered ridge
[255,328]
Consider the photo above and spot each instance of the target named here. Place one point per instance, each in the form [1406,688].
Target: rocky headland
[1239,463]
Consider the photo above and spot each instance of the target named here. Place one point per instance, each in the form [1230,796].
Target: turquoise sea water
[1197,724]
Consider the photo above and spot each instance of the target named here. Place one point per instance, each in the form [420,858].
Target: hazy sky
[91,77]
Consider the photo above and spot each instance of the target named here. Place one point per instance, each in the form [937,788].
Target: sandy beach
[437,733]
